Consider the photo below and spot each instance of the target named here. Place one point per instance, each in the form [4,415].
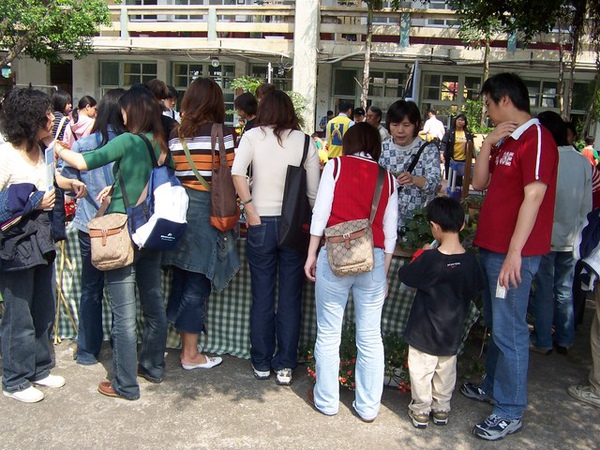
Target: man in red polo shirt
[518,166]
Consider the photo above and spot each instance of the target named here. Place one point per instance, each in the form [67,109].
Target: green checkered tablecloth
[228,319]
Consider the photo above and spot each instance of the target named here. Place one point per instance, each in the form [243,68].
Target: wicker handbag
[349,245]
[111,244]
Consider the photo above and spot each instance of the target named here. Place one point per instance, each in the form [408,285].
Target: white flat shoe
[53,381]
[211,361]
[29,395]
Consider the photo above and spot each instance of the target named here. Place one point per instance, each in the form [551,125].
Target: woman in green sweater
[141,114]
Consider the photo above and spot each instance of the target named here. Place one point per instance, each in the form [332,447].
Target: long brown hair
[143,114]
[277,110]
[202,103]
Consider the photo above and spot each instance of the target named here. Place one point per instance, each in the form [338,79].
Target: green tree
[44,29]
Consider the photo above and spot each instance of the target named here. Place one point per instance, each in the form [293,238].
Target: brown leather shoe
[105,388]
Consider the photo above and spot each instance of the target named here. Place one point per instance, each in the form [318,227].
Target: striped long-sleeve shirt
[200,151]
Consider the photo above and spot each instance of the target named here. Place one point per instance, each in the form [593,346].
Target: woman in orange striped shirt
[205,258]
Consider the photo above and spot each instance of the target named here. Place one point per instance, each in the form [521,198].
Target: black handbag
[294,230]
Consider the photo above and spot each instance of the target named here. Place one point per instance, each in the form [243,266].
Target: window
[440,87]
[549,94]
[223,74]
[387,84]
[143,3]
[439,4]
[281,77]
[534,92]
[124,74]
[184,74]
[189,3]
[472,88]
[581,96]
[344,82]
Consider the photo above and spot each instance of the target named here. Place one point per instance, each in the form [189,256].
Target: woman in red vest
[346,193]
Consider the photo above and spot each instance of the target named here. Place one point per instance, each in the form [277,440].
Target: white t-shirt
[270,160]
[15,169]
[434,127]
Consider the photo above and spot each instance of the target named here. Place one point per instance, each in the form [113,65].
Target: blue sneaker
[494,428]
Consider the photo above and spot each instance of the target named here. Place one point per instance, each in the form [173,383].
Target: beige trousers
[432,380]
[595,344]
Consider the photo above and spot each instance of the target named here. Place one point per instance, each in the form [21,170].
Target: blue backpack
[159,218]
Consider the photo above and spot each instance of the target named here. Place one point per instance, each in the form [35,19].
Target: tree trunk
[366,77]
[486,73]
[592,105]
[561,72]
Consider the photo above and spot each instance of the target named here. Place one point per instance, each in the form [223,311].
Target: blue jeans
[28,318]
[368,293]
[508,351]
[187,305]
[553,301]
[268,263]
[90,334]
[145,272]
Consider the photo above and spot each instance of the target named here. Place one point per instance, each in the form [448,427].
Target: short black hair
[462,116]
[571,126]
[556,125]
[247,103]
[432,111]
[447,213]
[344,106]
[401,109]
[358,111]
[589,140]
[172,92]
[60,99]
[362,137]
[329,112]
[510,85]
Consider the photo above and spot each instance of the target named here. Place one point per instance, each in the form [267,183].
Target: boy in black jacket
[446,279]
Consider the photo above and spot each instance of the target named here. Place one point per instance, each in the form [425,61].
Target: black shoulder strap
[305,154]
[150,148]
[415,158]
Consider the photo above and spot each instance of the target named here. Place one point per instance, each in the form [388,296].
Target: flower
[396,360]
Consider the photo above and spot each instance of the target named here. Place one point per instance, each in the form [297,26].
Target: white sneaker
[53,381]
[284,377]
[29,395]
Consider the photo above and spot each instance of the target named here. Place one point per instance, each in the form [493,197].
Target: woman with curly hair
[274,143]
[205,258]
[129,153]
[26,247]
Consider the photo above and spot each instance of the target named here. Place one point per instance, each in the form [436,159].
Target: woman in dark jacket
[454,143]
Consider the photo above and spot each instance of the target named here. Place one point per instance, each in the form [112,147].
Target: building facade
[313,47]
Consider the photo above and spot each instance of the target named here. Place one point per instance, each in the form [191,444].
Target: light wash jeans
[553,301]
[145,272]
[368,292]
[508,351]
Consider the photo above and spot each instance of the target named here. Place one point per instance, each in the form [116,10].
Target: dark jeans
[268,261]
[90,334]
[28,318]
[145,273]
[187,305]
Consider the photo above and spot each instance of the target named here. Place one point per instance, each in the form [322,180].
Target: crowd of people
[539,191]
